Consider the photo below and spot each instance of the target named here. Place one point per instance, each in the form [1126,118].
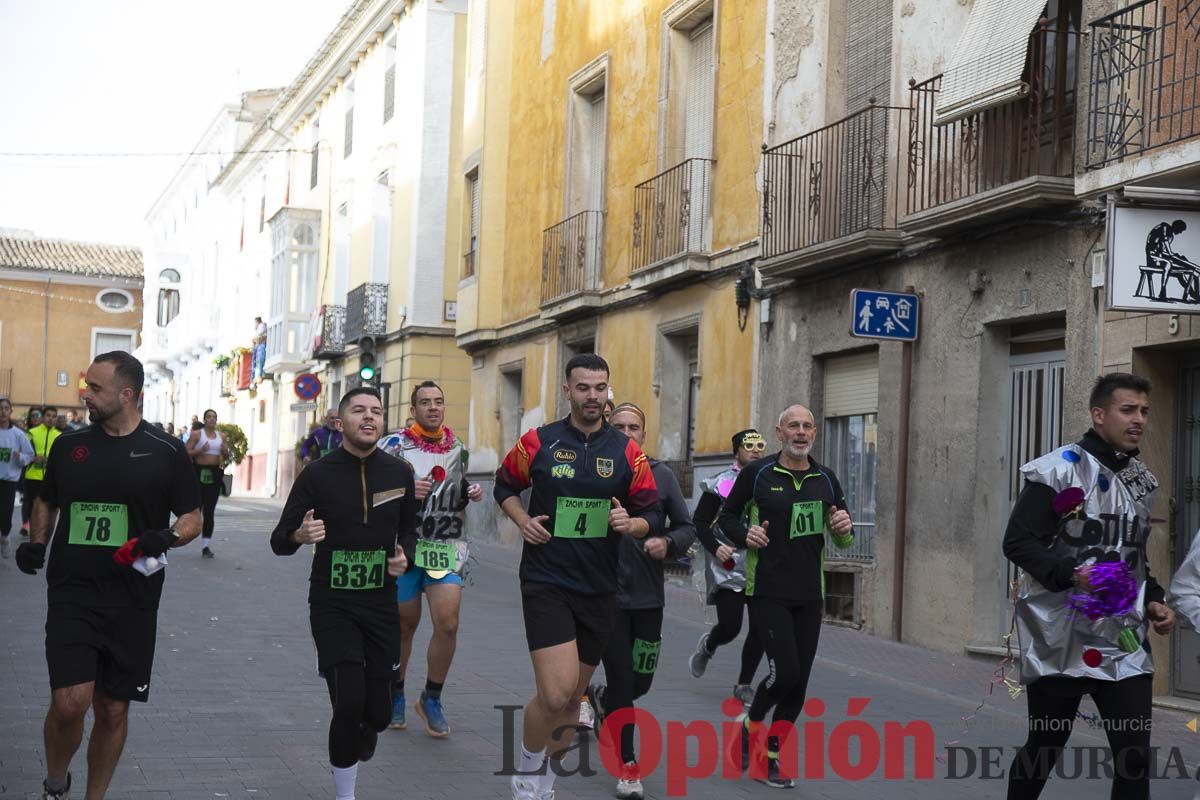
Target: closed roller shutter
[852,385]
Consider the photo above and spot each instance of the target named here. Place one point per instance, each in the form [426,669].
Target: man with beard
[1064,653]
[357,506]
[113,487]
[439,459]
[780,507]
[590,485]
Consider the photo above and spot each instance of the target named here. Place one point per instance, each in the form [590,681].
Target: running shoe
[398,722]
[587,716]
[4,547]
[630,785]
[430,710]
[774,778]
[595,699]
[65,794]
[744,693]
[699,660]
[524,788]
[206,553]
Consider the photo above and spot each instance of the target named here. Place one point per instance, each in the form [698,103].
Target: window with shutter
[389,81]
[595,154]
[349,133]
[381,230]
[341,254]
[314,160]
[698,104]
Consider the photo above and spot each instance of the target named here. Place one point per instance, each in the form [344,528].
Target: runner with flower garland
[439,459]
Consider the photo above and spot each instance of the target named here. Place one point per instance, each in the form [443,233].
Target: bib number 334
[357,569]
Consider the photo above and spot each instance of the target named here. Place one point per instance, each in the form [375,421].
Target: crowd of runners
[385,517]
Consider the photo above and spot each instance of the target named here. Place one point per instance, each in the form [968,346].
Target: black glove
[31,556]
[153,544]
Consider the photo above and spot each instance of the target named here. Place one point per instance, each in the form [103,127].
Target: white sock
[546,782]
[343,781]
[205,541]
[531,762]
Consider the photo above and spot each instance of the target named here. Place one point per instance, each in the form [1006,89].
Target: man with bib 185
[113,487]
[439,459]
[590,485]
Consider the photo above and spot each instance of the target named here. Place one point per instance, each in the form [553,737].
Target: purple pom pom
[1068,499]
[1113,593]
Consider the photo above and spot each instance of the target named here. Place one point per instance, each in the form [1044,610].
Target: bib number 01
[99,524]
[581,517]
[808,518]
[357,569]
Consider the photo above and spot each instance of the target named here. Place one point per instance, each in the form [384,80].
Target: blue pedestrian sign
[884,315]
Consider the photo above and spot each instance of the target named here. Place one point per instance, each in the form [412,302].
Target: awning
[988,63]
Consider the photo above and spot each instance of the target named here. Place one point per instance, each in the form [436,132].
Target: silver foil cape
[1053,638]
[715,575]
[1185,586]
[438,516]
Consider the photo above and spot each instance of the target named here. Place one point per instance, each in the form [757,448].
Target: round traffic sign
[308,386]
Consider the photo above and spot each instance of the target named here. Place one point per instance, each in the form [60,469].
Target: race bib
[581,518]
[206,477]
[357,569]
[99,524]
[808,518]
[645,656]
[436,554]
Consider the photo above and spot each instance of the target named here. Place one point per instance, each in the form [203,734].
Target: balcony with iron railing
[831,196]
[572,264]
[328,332]
[1144,90]
[366,311]
[672,230]
[1001,160]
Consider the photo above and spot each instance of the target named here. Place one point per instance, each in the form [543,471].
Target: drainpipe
[45,339]
[901,488]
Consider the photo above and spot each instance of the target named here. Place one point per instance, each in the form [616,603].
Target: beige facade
[62,303]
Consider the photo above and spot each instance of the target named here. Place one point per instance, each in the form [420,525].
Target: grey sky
[88,76]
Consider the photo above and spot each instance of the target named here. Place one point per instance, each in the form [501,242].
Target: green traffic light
[366,373]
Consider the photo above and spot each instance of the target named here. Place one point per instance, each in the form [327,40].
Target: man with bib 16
[439,460]
[113,487]
[590,485]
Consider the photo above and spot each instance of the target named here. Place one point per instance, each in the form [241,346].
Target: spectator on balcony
[260,349]
[321,441]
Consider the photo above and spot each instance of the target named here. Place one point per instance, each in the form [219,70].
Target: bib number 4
[581,518]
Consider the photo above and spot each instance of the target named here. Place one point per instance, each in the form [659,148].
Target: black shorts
[554,615]
[112,646]
[367,635]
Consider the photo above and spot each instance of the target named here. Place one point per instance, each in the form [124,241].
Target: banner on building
[1153,259]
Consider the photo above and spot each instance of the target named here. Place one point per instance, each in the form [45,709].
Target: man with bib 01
[113,487]
[439,460]
[356,505]
[1079,530]
[590,485]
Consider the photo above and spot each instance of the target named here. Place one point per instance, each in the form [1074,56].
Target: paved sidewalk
[237,710]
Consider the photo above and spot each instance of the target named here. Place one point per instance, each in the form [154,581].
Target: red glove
[127,553]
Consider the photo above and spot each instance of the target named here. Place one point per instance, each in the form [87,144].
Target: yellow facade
[518,125]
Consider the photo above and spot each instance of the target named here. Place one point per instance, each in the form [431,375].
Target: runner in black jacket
[357,506]
[590,487]
[788,500]
[633,650]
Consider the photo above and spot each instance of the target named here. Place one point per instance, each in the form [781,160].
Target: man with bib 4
[357,506]
[113,487]
[632,655]
[439,460]
[1086,601]
[780,507]
[590,486]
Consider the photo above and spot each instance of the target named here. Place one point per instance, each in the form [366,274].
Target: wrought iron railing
[366,311]
[1145,82]
[571,252]
[329,337]
[833,182]
[861,549]
[671,213]
[1034,135]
